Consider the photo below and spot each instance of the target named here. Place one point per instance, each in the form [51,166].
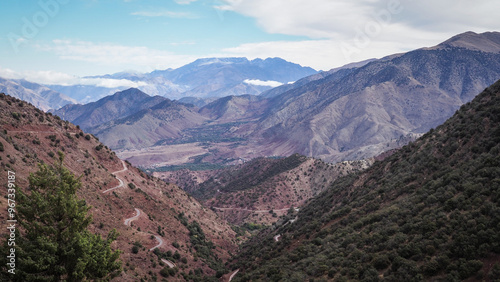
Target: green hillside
[431,211]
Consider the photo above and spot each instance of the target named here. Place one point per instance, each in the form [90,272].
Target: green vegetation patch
[431,211]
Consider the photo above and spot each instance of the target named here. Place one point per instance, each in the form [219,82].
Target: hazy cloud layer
[58,78]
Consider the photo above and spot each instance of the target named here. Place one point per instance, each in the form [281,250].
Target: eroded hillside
[261,190]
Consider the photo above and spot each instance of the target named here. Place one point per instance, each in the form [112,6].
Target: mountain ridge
[116,106]
[485,42]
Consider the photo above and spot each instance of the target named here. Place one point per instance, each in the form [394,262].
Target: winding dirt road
[169,263]
[160,242]
[158,238]
[125,168]
[129,220]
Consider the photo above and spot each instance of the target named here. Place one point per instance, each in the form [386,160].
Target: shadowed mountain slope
[430,211]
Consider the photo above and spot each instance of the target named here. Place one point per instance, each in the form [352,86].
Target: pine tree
[54,243]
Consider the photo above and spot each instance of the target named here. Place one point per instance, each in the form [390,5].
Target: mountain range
[203,78]
[350,113]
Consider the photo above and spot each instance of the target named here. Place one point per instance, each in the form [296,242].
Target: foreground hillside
[262,189]
[431,211]
[160,227]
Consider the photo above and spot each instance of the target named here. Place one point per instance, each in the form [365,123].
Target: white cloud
[344,31]
[184,2]
[58,78]
[115,56]
[312,18]
[334,19]
[258,82]
[318,54]
[164,13]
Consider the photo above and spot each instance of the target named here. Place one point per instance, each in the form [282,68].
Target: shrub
[165,272]
[177,256]
[381,262]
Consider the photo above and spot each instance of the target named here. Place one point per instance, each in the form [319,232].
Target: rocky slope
[163,123]
[355,115]
[431,211]
[260,190]
[148,213]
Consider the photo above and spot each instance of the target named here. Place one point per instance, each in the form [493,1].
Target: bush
[381,262]
[177,256]
[131,186]
[165,272]
[135,249]
[1,147]
[87,137]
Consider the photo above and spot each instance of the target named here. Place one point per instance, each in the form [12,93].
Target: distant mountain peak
[219,60]
[130,93]
[485,42]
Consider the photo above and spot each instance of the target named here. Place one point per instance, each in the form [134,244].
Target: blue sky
[57,41]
